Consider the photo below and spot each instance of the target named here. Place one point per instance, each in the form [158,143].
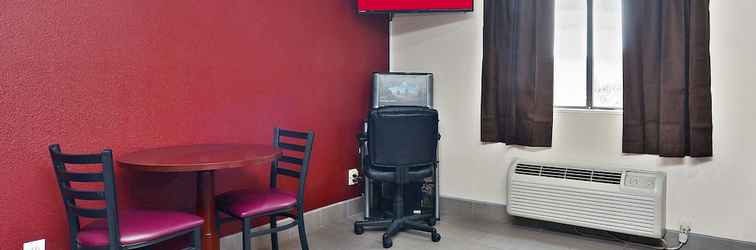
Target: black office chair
[402,144]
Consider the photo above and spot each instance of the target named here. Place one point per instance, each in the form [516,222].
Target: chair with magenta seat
[246,205]
[110,228]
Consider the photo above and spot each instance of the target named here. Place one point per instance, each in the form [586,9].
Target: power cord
[682,238]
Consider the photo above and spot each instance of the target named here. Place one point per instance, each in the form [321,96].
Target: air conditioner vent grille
[579,174]
[570,173]
[528,169]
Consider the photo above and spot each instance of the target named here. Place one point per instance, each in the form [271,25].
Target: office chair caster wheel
[387,243]
[435,237]
[358,230]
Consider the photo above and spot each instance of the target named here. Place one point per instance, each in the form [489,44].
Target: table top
[200,157]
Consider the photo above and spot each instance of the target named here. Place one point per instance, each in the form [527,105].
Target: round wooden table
[203,159]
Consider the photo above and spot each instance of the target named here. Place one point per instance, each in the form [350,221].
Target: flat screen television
[392,6]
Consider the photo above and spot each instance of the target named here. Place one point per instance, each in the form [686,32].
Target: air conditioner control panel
[640,180]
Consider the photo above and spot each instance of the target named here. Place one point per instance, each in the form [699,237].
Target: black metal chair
[402,143]
[246,205]
[112,229]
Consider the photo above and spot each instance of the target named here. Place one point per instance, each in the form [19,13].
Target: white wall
[715,196]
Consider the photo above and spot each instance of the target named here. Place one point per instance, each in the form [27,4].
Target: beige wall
[715,196]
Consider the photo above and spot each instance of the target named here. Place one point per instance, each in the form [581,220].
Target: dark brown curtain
[667,78]
[518,72]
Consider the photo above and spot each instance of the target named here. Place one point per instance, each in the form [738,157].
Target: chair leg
[395,227]
[246,240]
[273,236]
[398,223]
[197,238]
[374,223]
[302,231]
[218,221]
[419,227]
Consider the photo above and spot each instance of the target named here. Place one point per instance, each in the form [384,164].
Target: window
[588,54]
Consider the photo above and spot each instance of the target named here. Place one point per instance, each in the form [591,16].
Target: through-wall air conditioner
[618,200]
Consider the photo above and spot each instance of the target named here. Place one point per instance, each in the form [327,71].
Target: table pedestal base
[206,209]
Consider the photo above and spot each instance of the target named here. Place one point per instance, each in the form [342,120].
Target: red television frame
[392,6]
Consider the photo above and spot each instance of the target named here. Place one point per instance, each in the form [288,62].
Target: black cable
[616,237]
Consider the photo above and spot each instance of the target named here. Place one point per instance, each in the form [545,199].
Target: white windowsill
[558,110]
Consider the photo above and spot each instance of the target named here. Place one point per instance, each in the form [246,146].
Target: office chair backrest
[72,195]
[402,136]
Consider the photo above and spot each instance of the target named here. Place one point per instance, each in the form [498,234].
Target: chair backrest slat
[293,134]
[292,160]
[83,194]
[94,213]
[288,172]
[293,147]
[80,158]
[82,177]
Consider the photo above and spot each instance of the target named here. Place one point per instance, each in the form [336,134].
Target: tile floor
[458,233]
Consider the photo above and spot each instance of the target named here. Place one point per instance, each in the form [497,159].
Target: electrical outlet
[684,231]
[35,245]
[352,176]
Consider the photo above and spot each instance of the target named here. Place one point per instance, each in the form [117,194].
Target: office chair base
[359,230]
[436,237]
[394,226]
[432,221]
[387,242]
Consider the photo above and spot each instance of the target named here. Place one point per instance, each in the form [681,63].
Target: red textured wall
[129,75]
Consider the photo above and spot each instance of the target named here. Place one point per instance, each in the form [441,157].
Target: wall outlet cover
[352,176]
[35,245]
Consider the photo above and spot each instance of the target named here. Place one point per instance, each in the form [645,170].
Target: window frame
[589,66]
